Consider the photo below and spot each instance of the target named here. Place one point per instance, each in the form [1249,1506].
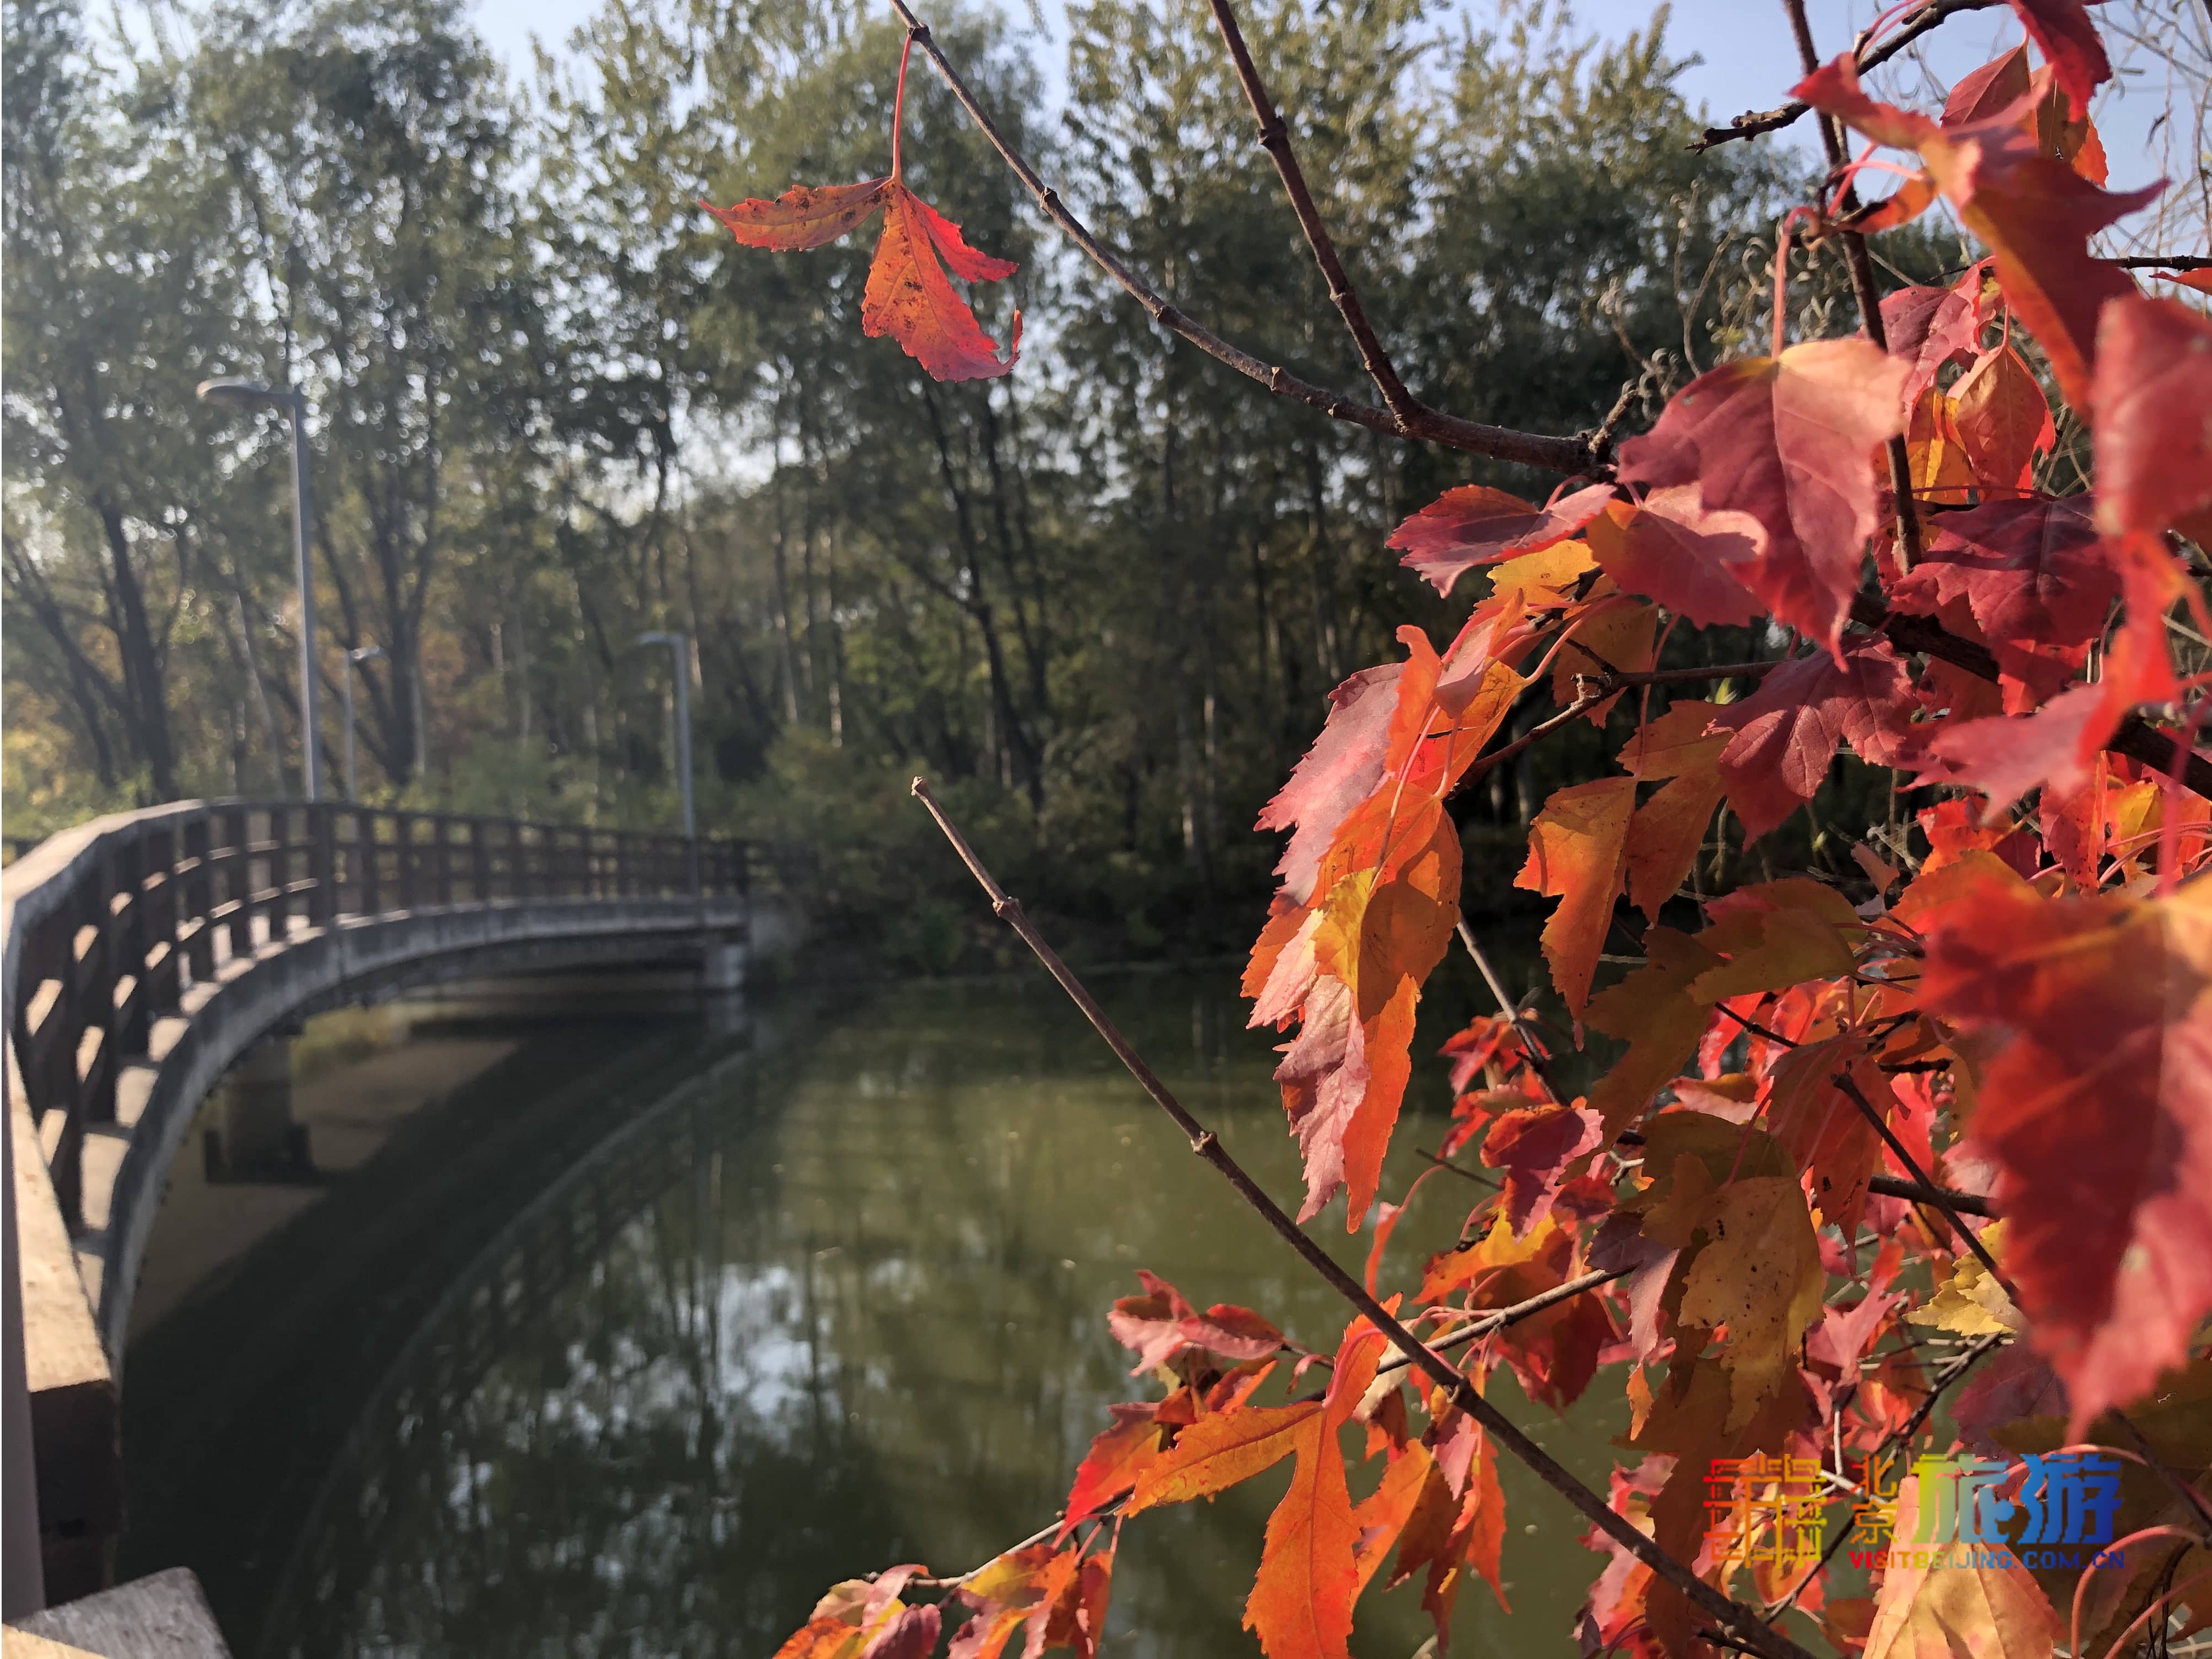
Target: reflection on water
[797,1314]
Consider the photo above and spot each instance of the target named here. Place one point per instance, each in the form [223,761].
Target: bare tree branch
[2136,737]
[1275,139]
[1571,456]
[1736,1621]
[1752,124]
[1498,1319]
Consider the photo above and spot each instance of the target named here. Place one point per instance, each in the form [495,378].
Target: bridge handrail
[102,927]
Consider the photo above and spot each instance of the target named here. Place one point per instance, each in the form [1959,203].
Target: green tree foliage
[1104,596]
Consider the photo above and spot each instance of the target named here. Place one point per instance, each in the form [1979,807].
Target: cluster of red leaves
[2013,999]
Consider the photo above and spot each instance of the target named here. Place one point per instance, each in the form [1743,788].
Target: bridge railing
[111,924]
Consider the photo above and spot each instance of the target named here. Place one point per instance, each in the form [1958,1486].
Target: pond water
[644,1335]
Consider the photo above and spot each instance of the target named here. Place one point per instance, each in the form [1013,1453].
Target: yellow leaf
[1966,1610]
[1760,1275]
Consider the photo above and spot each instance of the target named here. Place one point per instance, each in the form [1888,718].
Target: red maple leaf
[2035,212]
[2153,403]
[1789,441]
[1786,731]
[2096,1110]
[2033,574]
[1674,549]
[1475,525]
[908,296]
[1927,328]
[2068,39]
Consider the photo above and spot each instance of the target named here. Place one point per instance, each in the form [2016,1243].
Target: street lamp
[233,393]
[355,659]
[679,645]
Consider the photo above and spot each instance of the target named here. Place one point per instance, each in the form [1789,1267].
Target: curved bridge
[146,952]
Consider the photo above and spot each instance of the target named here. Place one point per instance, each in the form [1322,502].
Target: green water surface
[660,1332]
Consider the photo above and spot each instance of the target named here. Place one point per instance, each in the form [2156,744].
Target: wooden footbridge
[147,952]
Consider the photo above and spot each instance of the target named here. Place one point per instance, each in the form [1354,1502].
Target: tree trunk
[145,696]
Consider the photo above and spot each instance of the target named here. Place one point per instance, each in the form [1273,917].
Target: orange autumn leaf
[804,216]
[863,1613]
[1348,946]
[1381,1517]
[909,298]
[1009,1594]
[909,295]
[1117,1456]
[1577,853]
[2003,421]
[1220,1450]
[1475,1543]
[1667,829]
[1301,1602]
[1759,1275]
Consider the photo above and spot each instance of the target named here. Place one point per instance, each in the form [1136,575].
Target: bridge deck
[144,952]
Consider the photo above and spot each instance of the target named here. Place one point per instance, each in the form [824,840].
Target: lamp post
[354,659]
[679,648]
[233,393]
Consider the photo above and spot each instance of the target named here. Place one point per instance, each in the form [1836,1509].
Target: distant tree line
[1104,597]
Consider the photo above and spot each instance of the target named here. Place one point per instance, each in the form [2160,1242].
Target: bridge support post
[259,1133]
[722,980]
[722,964]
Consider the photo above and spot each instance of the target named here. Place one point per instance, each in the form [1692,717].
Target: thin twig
[1889,1185]
[2190,1496]
[2136,737]
[1864,291]
[2171,262]
[1772,120]
[1754,1029]
[1275,139]
[1733,1617]
[1920,1192]
[1461,1170]
[1051,1529]
[1499,1318]
[1942,1205]
[1951,1373]
[1532,1049]
[1565,455]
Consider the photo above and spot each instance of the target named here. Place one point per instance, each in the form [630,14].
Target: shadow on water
[640,1341]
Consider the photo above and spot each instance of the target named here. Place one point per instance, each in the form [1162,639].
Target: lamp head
[660,639]
[230,392]
[366,654]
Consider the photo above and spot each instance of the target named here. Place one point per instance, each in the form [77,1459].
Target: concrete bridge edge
[74,1396]
[355,962]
